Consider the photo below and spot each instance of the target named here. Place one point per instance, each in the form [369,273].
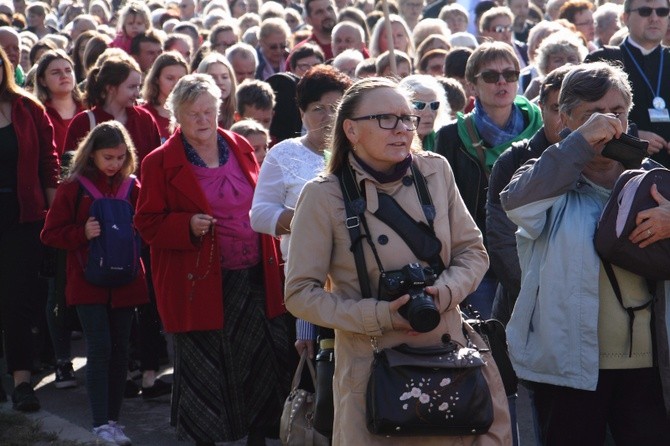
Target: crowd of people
[228,122]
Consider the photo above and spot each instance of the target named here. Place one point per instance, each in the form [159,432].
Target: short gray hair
[590,82]
[187,90]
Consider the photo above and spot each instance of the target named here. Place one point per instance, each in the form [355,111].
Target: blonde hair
[105,135]
[228,105]
[134,8]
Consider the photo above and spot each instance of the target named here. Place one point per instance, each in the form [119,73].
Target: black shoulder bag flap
[428,391]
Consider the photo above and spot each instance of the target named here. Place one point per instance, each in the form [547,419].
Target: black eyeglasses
[645,11]
[491,77]
[388,121]
[420,105]
[501,29]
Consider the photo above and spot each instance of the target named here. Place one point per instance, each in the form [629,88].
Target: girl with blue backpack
[91,218]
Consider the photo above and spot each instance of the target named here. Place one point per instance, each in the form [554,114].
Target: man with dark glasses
[648,66]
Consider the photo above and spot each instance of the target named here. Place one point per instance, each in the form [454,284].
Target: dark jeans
[58,329]
[151,343]
[629,401]
[22,297]
[107,332]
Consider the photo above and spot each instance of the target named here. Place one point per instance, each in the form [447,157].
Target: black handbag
[493,333]
[428,391]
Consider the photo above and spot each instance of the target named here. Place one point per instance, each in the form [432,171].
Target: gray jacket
[553,332]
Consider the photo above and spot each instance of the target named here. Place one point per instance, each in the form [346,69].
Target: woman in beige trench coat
[380,154]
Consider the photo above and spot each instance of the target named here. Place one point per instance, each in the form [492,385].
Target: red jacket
[140,125]
[38,166]
[64,229]
[170,196]
[60,125]
[162,122]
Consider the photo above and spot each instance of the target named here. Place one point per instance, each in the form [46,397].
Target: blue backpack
[113,256]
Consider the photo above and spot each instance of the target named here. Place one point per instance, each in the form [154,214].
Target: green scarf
[428,142]
[532,116]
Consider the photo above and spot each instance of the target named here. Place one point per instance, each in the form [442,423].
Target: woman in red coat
[28,179]
[111,92]
[218,283]
[106,158]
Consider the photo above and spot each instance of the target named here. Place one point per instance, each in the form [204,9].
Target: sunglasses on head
[501,29]
[645,11]
[420,105]
[491,77]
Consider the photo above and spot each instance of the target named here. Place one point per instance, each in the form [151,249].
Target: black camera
[420,311]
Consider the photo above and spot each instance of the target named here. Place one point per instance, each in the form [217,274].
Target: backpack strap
[125,188]
[91,119]
[629,310]
[89,187]
[123,193]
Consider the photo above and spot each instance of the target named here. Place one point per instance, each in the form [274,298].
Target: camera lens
[422,313]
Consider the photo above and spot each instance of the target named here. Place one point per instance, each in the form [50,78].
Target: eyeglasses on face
[501,29]
[420,105]
[645,11]
[388,121]
[491,77]
[278,46]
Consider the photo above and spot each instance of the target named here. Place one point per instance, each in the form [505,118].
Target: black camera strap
[354,206]
[394,216]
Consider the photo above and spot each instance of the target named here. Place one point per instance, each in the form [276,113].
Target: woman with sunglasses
[473,143]
[373,139]
[430,104]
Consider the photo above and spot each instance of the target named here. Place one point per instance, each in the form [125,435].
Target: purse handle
[298,371]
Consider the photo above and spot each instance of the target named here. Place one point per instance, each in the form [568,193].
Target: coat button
[382,239]
[407,181]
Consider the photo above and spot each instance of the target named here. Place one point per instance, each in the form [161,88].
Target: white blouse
[285,170]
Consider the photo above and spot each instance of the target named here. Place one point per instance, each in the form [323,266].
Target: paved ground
[147,422]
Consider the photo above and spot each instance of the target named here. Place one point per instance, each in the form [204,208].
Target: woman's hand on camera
[399,322]
[601,128]
[305,344]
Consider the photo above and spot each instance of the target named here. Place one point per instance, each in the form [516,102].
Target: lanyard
[644,76]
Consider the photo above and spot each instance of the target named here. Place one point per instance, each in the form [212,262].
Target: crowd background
[486,62]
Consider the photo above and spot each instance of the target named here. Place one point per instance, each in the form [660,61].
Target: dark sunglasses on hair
[501,29]
[491,77]
[420,105]
[645,11]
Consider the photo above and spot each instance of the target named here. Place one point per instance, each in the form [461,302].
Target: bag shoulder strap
[123,193]
[89,187]
[354,206]
[91,119]
[125,188]
[629,310]
[477,143]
